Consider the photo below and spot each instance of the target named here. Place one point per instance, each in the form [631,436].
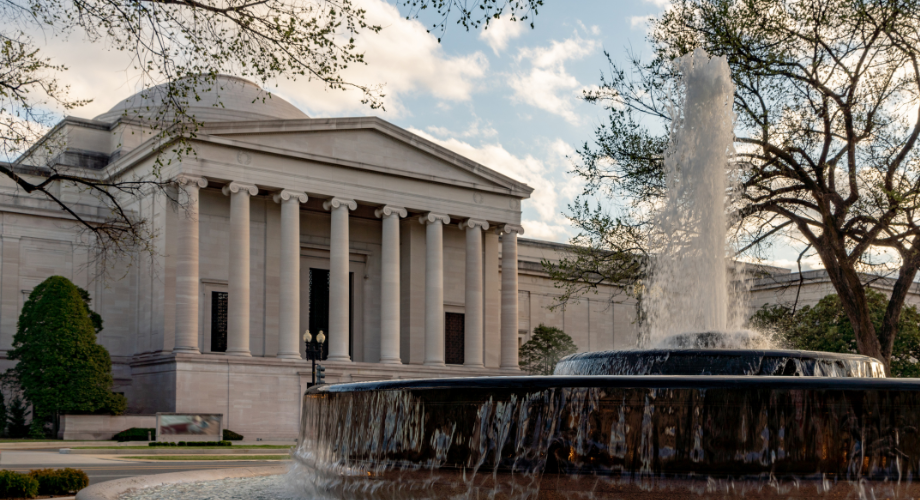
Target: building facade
[406,255]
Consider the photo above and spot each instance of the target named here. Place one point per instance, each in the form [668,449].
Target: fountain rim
[788,353]
[701,382]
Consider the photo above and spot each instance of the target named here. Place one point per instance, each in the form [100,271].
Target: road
[100,470]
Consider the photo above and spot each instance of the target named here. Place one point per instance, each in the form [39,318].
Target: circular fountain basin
[766,362]
[613,436]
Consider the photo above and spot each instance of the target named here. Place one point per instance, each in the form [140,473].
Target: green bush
[191,443]
[232,436]
[16,485]
[61,366]
[181,443]
[16,419]
[59,481]
[135,434]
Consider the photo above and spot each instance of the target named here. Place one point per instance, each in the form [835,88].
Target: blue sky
[507,97]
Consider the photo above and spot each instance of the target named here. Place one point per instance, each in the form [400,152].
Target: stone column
[472,334]
[338,278]
[434,287]
[238,289]
[510,296]
[187,266]
[389,286]
[289,318]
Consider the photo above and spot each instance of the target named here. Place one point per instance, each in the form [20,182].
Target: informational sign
[189,426]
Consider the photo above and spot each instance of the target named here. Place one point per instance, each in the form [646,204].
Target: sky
[507,97]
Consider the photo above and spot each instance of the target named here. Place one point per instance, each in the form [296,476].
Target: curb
[110,490]
[178,451]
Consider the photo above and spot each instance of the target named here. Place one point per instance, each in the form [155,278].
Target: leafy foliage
[16,485]
[60,366]
[545,348]
[826,143]
[59,481]
[825,327]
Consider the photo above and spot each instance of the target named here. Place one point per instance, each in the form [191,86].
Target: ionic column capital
[190,180]
[432,217]
[388,210]
[287,194]
[511,228]
[340,202]
[236,187]
[474,223]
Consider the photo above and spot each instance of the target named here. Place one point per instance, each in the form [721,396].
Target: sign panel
[189,426]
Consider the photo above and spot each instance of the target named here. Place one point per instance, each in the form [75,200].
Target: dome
[228,99]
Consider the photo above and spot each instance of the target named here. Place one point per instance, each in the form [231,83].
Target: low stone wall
[101,427]
[110,490]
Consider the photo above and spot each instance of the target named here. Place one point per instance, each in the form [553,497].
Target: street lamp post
[314,349]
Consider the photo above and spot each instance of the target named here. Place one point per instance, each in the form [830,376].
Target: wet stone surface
[254,488]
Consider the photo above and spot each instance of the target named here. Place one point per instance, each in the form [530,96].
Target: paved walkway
[106,469]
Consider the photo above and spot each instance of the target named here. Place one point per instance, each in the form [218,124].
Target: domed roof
[227,99]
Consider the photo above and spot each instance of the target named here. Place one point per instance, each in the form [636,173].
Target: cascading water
[689,288]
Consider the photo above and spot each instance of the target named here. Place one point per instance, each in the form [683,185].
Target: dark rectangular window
[218,321]
[453,338]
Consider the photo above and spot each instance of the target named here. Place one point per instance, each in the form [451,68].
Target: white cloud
[500,32]
[661,4]
[403,57]
[547,85]
[477,128]
[552,187]
[640,21]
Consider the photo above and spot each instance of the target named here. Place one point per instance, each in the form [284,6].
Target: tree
[183,45]
[548,345]
[60,366]
[826,101]
[16,423]
[825,327]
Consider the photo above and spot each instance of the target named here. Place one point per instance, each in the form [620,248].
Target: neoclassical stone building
[406,255]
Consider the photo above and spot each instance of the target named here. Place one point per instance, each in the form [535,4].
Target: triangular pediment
[366,142]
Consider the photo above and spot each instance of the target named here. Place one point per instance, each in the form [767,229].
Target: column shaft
[473,320]
[187,267]
[289,320]
[238,296]
[338,279]
[434,288]
[510,298]
[389,287]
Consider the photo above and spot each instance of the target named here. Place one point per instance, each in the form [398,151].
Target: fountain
[702,408]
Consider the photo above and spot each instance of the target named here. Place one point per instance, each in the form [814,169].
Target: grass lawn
[234,447]
[211,457]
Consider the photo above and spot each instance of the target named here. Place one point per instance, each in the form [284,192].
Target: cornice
[389,210]
[339,203]
[432,217]
[287,194]
[236,187]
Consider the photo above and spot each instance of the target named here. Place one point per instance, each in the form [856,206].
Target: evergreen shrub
[16,485]
[135,434]
[232,436]
[59,481]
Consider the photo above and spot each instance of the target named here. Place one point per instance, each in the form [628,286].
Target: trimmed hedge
[190,443]
[232,436]
[59,481]
[135,434]
[16,485]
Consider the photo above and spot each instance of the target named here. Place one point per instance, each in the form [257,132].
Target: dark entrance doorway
[219,321]
[318,308]
[453,338]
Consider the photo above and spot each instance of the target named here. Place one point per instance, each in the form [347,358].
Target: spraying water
[689,286]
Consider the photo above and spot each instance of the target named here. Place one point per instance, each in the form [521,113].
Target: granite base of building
[260,398]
